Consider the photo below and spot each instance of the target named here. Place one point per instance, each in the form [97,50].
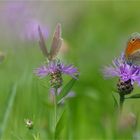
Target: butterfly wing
[135,58]
[132,51]
[42,43]
[56,42]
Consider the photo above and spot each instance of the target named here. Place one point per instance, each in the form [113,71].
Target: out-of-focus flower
[15,12]
[55,69]
[123,71]
[30,30]
[29,123]
[21,17]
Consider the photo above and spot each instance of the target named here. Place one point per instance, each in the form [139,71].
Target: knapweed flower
[15,12]
[127,74]
[21,17]
[30,30]
[55,69]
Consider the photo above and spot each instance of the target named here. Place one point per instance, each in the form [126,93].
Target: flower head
[30,30]
[55,69]
[15,12]
[54,66]
[21,17]
[123,70]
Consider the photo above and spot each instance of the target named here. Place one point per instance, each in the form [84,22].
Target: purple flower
[15,12]
[21,16]
[42,71]
[123,70]
[54,67]
[30,30]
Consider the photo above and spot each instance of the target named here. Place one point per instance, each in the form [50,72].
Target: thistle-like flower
[30,30]
[55,69]
[127,74]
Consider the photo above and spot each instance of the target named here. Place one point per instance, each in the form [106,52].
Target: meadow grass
[96,35]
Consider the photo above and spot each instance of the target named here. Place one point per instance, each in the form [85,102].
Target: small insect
[55,46]
[132,51]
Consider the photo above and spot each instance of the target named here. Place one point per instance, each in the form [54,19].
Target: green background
[94,32]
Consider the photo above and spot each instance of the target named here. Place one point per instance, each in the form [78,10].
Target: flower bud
[124,87]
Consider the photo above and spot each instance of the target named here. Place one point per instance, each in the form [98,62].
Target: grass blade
[8,110]
[60,125]
[66,89]
[116,105]
[133,96]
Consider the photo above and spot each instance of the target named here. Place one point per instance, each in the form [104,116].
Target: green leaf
[115,101]
[8,110]
[133,96]
[66,89]
[37,136]
[60,125]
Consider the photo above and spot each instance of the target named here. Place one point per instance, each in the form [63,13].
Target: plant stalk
[55,111]
[122,98]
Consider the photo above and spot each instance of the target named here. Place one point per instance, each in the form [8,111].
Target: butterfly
[55,46]
[132,51]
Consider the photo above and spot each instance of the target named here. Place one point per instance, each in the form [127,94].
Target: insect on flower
[56,43]
[132,51]
[54,68]
[127,74]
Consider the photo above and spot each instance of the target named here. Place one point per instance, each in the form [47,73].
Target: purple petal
[69,70]
[42,71]
[123,70]
[30,30]
[110,72]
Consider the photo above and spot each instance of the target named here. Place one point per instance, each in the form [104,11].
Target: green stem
[8,111]
[55,111]
[121,102]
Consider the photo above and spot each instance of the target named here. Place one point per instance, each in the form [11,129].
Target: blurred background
[94,33]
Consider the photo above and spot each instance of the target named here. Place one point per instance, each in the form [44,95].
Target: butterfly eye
[132,40]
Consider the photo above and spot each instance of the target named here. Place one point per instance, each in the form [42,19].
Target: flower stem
[55,111]
[8,111]
[121,102]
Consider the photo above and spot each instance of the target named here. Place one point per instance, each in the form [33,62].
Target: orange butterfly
[132,51]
